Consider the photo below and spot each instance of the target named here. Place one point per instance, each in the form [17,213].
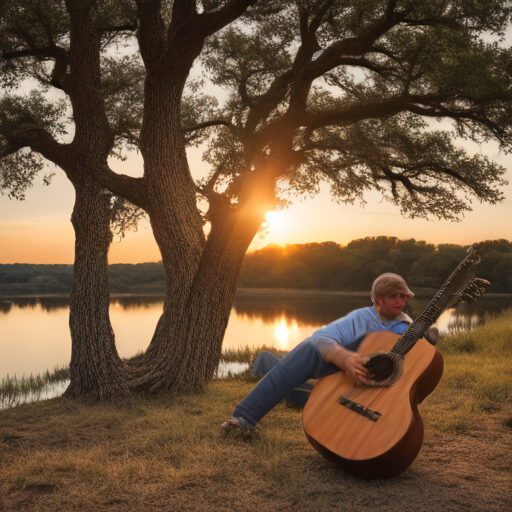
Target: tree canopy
[349,93]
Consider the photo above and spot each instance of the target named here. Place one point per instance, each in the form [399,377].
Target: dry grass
[170,454]
[478,375]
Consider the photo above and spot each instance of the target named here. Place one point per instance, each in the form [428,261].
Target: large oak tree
[70,48]
[33,129]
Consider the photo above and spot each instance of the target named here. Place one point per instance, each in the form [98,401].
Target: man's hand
[432,335]
[350,362]
[355,367]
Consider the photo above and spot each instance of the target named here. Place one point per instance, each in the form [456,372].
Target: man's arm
[350,362]
[332,340]
[346,330]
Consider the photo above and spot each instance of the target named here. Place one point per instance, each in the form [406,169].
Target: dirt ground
[159,457]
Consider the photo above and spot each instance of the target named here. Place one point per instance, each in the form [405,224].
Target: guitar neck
[461,285]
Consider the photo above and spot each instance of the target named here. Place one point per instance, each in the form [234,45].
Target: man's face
[391,304]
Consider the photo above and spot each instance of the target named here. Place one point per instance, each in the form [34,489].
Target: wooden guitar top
[354,436]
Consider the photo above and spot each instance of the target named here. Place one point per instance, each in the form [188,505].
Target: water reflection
[55,389]
[23,303]
[5,306]
[34,333]
[304,311]
[128,303]
[282,332]
[45,393]
[52,304]
[454,320]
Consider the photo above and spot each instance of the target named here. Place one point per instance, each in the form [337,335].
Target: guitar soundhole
[385,368]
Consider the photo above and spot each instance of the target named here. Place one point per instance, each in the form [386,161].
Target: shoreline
[255,292]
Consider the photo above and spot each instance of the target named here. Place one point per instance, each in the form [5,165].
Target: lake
[34,332]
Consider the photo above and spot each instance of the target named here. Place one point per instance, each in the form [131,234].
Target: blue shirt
[350,330]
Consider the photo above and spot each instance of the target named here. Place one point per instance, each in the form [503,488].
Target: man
[329,349]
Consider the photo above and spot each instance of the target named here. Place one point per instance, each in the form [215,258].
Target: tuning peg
[475,289]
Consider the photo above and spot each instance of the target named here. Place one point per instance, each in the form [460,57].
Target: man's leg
[302,363]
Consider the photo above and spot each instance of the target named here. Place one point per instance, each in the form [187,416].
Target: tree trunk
[186,347]
[97,372]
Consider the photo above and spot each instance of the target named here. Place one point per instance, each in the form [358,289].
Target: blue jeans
[302,363]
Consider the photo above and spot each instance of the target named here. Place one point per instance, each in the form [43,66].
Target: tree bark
[186,347]
[97,372]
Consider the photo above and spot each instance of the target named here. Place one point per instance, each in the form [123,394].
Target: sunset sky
[38,230]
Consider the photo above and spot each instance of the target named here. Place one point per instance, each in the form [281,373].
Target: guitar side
[384,440]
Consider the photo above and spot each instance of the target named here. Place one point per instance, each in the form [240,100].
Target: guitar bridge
[359,408]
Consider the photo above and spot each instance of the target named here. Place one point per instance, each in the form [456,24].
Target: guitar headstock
[473,290]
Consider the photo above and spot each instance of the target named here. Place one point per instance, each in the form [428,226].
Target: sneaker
[238,423]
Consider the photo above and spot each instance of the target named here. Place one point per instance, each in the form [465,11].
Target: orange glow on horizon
[50,239]
[54,243]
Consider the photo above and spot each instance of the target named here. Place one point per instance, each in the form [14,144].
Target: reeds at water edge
[16,390]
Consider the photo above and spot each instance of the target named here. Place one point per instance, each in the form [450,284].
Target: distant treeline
[322,266]
[31,279]
[329,266]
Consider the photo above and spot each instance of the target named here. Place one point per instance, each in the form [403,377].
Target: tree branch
[431,22]
[40,141]
[242,90]
[306,69]
[207,124]
[208,189]
[319,16]
[374,110]
[232,10]
[350,61]
[356,113]
[434,166]
[9,149]
[152,36]
[461,116]
[184,14]
[132,189]
[264,104]
[352,47]
[394,177]
[46,52]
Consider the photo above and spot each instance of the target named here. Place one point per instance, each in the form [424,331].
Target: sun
[275,228]
[276,221]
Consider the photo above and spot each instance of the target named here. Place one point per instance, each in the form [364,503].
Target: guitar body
[382,434]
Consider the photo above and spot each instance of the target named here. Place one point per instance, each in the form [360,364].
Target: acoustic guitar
[375,431]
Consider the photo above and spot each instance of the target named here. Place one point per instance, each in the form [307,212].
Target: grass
[14,390]
[478,374]
[166,454]
[17,390]
[247,354]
